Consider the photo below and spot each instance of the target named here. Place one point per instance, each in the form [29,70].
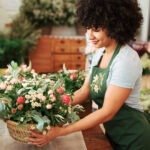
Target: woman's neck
[110,48]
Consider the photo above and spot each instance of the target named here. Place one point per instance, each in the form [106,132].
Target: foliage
[50,12]
[22,29]
[10,49]
[145,99]
[17,43]
[145,59]
[28,97]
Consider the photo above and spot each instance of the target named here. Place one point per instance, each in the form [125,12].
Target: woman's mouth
[94,42]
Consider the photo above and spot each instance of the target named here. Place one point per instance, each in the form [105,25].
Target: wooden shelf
[52,52]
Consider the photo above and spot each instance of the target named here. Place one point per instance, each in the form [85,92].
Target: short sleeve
[126,71]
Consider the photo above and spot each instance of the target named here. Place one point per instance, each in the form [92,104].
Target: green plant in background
[145,101]
[145,59]
[145,98]
[10,49]
[17,43]
[50,12]
[27,32]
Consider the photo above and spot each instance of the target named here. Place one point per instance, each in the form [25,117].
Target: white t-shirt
[125,71]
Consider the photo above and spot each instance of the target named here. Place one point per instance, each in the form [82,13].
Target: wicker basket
[19,132]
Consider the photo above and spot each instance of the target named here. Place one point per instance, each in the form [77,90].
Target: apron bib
[129,129]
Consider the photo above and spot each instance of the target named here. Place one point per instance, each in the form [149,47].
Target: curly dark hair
[121,18]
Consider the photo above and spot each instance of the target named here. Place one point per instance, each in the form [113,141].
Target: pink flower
[20,100]
[73,76]
[13,110]
[66,99]
[60,90]
[20,107]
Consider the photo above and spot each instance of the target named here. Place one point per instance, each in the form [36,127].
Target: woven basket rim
[12,122]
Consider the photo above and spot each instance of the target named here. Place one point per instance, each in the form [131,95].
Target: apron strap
[114,54]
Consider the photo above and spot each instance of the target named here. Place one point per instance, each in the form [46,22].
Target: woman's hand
[41,140]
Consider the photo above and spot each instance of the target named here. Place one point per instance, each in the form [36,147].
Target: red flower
[66,99]
[60,90]
[20,100]
[73,76]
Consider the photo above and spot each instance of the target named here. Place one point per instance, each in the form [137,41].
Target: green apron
[129,129]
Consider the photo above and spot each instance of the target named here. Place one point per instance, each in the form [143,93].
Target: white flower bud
[48,106]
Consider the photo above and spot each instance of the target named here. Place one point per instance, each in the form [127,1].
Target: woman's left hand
[40,139]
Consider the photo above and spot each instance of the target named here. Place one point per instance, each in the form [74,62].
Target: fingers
[38,139]
[39,142]
[35,134]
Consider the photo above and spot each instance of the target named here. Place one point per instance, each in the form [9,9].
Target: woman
[114,80]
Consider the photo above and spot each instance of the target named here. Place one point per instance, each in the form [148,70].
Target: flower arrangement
[44,100]
[50,12]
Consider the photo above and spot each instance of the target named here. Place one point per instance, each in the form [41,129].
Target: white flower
[35,104]
[52,82]
[43,75]
[43,98]
[69,110]
[47,80]
[39,95]
[9,87]
[24,84]
[33,97]
[3,86]
[27,101]
[53,98]
[27,96]
[48,106]
[14,81]
[32,92]
[50,92]
[95,78]
[96,88]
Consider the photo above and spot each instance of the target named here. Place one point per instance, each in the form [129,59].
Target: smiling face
[99,37]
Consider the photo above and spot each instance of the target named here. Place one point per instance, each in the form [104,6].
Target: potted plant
[10,49]
[50,13]
[16,44]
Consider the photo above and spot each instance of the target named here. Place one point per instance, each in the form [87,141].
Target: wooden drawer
[68,45]
[77,45]
[62,50]
[68,58]
[60,45]
[78,58]
[52,52]
[38,55]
